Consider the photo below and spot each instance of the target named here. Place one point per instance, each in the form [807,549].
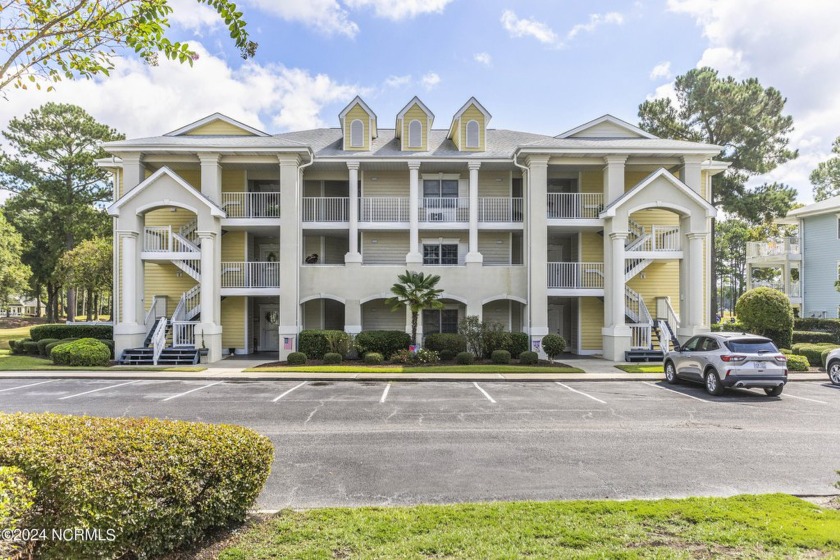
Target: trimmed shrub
[158,484]
[814,337]
[42,346]
[553,345]
[813,352]
[786,351]
[59,331]
[87,352]
[518,343]
[446,342]
[465,358]
[386,343]
[315,343]
[17,496]
[447,355]
[493,338]
[422,356]
[729,327]
[814,324]
[373,358]
[16,346]
[332,358]
[296,359]
[500,357]
[49,348]
[797,363]
[30,348]
[528,358]
[767,312]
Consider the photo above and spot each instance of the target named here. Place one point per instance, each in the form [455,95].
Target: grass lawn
[12,334]
[9,362]
[641,368]
[766,526]
[420,369]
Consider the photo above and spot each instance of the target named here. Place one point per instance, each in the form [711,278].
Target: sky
[542,66]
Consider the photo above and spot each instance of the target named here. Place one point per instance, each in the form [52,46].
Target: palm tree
[418,292]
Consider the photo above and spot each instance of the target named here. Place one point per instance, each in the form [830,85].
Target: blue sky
[537,65]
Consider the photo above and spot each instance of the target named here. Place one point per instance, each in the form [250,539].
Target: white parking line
[100,389]
[581,393]
[190,391]
[676,392]
[489,398]
[385,393]
[25,386]
[803,399]
[289,391]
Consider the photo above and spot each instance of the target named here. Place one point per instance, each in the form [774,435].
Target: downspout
[526,256]
[300,236]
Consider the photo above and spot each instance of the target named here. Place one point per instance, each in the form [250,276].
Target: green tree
[50,165]
[56,39]
[826,177]
[88,266]
[14,275]
[416,291]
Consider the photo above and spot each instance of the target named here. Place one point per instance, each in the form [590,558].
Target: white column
[613,177]
[211,177]
[353,255]
[690,172]
[208,278]
[695,279]
[134,172]
[129,274]
[537,238]
[290,253]
[617,282]
[413,255]
[473,256]
[786,277]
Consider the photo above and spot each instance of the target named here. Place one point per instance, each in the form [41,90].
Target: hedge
[42,346]
[296,359]
[813,351]
[332,358]
[30,348]
[158,484]
[465,358]
[500,357]
[314,343]
[813,324]
[729,327]
[373,358]
[446,342]
[52,345]
[83,352]
[529,358]
[814,337]
[59,331]
[519,342]
[797,363]
[17,497]
[386,343]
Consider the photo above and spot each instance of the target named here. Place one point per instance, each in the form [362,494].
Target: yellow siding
[388,183]
[591,313]
[162,279]
[415,113]
[218,128]
[233,180]
[655,216]
[493,183]
[233,246]
[633,178]
[592,247]
[166,217]
[472,114]
[233,322]
[455,134]
[357,112]
[662,278]
[384,247]
[592,181]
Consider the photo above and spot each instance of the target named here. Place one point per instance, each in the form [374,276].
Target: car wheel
[834,372]
[774,391]
[713,384]
[671,373]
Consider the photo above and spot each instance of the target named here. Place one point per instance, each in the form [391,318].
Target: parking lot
[351,443]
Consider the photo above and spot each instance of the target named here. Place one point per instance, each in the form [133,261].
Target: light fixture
[374,178]
[374,241]
[498,242]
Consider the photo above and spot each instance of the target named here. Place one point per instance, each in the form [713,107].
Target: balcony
[576,277]
[574,206]
[325,209]
[786,248]
[795,286]
[250,278]
[448,210]
[653,239]
[251,204]
[163,243]
[383,209]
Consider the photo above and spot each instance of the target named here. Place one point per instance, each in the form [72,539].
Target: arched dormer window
[357,134]
[472,134]
[415,134]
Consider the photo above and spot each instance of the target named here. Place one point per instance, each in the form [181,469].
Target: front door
[556,322]
[269,328]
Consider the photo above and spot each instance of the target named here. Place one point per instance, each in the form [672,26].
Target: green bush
[59,331]
[49,348]
[786,351]
[42,346]
[158,484]
[797,363]
[729,327]
[518,343]
[812,351]
[87,352]
[465,358]
[317,343]
[30,348]
[553,345]
[338,342]
[422,356]
[447,355]
[814,337]
[767,312]
[17,496]
[528,358]
[373,358]
[814,324]
[446,342]
[16,346]
[493,338]
[332,358]
[386,343]
[500,357]
[296,359]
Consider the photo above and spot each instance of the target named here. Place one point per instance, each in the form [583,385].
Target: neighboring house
[20,307]
[241,239]
[807,266]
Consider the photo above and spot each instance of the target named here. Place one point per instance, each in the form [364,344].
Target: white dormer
[469,126]
[413,126]
[216,124]
[358,123]
[607,126]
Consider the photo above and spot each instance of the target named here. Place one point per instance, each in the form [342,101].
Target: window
[415,134]
[357,134]
[440,254]
[709,345]
[472,134]
[440,321]
[692,344]
[754,346]
[435,188]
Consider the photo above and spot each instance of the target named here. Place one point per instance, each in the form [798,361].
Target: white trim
[508,297]
[610,119]
[479,106]
[415,101]
[356,101]
[610,210]
[361,143]
[216,117]
[114,209]
[333,297]
[374,297]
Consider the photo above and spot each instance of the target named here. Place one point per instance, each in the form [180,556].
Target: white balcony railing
[383,209]
[499,209]
[640,336]
[657,238]
[580,275]
[250,275]
[251,205]
[570,206]
[157,239]
[788,245]
[325,209]
[183,333]
[444,209]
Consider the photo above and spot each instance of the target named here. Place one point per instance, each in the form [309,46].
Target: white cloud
[327,16]
[430,80]
[595,20]
[524,27]
[398,81]
[661,70]
[400,9]
[483,58]
[193,16]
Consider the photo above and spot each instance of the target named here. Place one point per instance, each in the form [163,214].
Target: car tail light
[733,358]
[727,372]
[781,358]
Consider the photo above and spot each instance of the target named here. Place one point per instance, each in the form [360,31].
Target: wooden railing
[251,205]
[571,206]
[582,275]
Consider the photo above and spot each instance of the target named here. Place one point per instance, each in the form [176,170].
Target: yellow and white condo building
[232,239]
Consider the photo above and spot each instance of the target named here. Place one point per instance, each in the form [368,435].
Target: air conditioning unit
[440,214]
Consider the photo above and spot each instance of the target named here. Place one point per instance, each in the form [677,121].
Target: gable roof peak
[216,117]
[415,101]
[479,106]
[356,101]
[609,119]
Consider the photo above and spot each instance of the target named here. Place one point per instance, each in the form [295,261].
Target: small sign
[536,344]
[413,348]
[288,343]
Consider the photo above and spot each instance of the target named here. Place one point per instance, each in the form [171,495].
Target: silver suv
[723,360]
[832,366]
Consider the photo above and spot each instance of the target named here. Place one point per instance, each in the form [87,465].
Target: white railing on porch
[159,340]
[499,209]
[251,205]
[658,238]
[640,336]
[575,205]
[325,209]
[444,209]
[383,209]
[157,239]
[583,275]
[183,333]
[250,275]
[772,247]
